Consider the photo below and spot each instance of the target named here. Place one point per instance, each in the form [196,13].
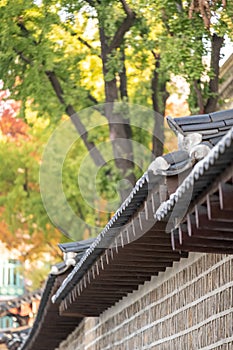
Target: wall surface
[188,307]
[226,84]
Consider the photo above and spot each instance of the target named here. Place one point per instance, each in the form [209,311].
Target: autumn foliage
[10,126]
[24,225]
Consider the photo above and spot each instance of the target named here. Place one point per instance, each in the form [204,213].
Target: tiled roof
[158,223]
[17,302]
[178,162]
[48,321]
[212,126]
[76,247]
[201,176]
[105,238]
[206,169]
[48,312]
[14,338]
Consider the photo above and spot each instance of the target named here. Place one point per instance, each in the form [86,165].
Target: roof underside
[49,328]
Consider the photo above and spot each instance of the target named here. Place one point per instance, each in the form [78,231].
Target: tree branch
[56,86]
[82,41]
[126,8]
[92,98]
[21,55]
[94,152]
[204,8]
[90,2]
[124,27]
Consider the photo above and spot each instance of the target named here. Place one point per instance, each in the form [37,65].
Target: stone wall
[188,307]
[226,84]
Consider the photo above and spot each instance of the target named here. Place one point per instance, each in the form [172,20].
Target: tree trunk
[216,45]
[159,109]
[123,76]
[119,127]
[199,96]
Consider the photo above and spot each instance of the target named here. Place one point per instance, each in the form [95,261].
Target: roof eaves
[223,149]
[76,247]
[45,297]
[105,238]
[211,126]
[130,206]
